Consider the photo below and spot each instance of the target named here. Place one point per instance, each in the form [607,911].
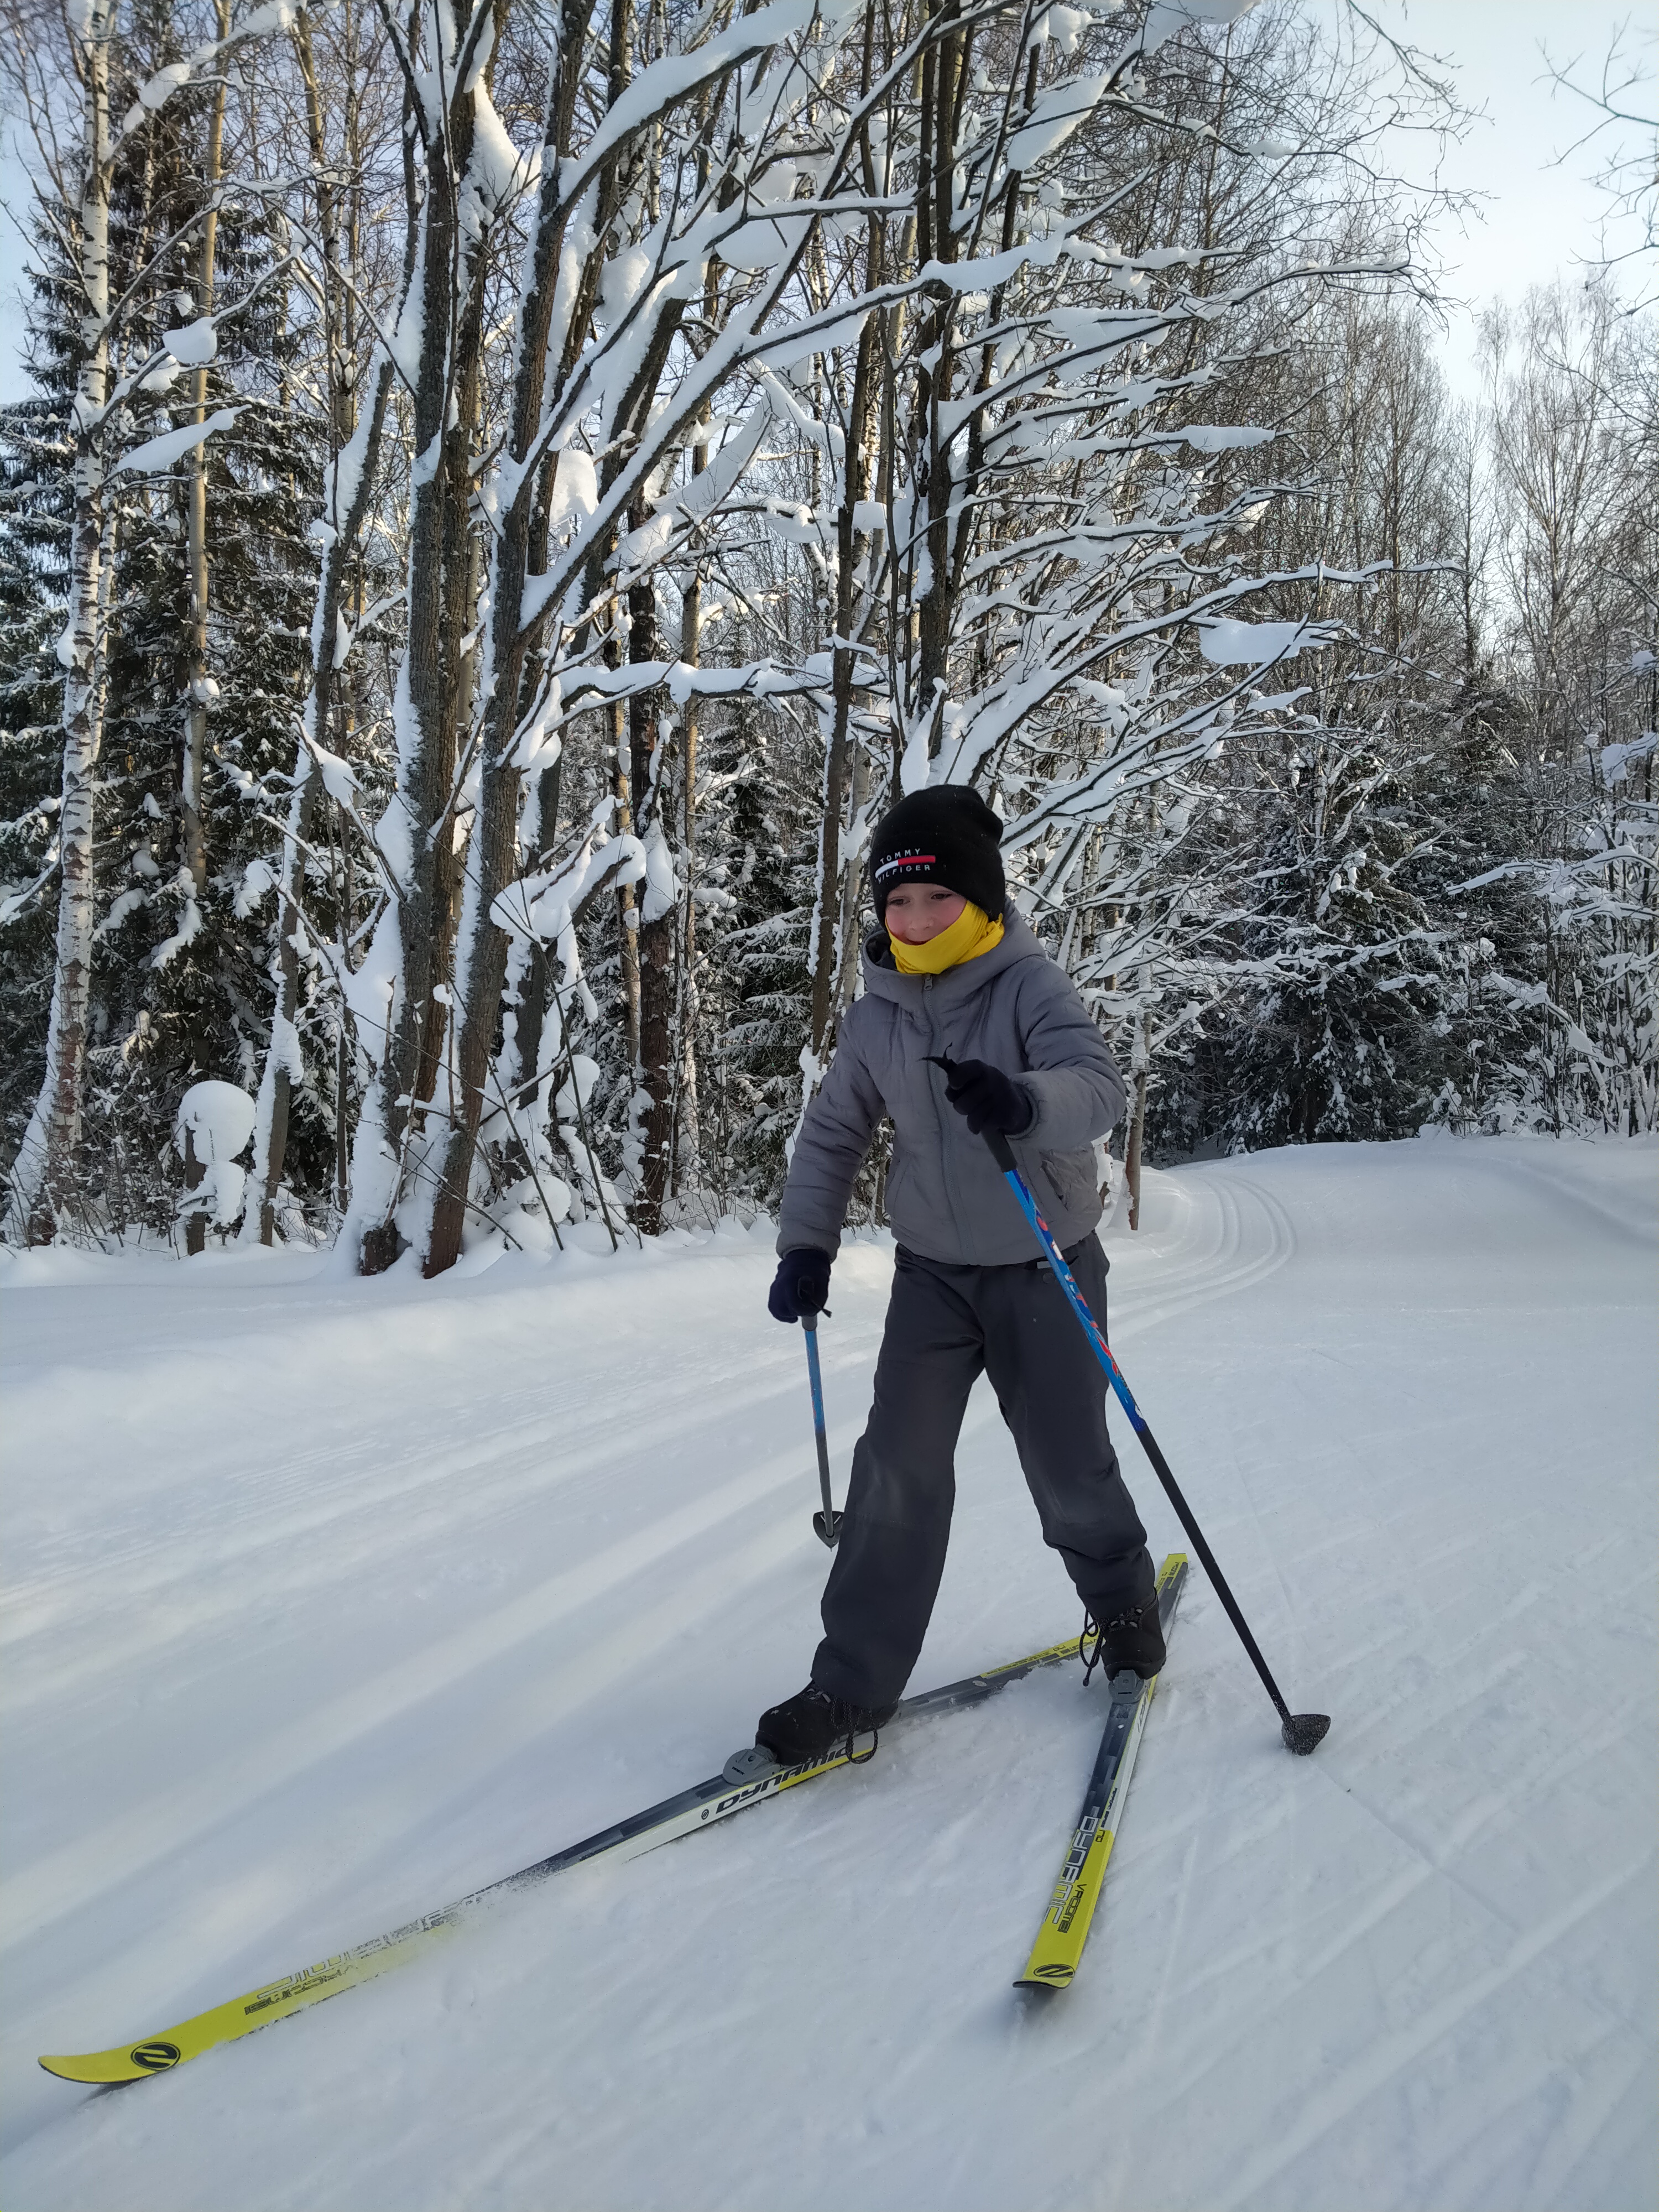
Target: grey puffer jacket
[946,1199]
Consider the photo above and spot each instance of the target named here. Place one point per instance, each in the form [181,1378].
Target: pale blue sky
[1538,219]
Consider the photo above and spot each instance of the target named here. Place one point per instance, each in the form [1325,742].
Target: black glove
[989,1098]
[801,1283]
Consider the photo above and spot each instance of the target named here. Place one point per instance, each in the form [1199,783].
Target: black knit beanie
[946,834]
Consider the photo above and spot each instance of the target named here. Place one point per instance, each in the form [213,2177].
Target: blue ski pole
[1302,1732]
[826,1525]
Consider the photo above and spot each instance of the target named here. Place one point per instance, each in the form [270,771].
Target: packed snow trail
[332,1602]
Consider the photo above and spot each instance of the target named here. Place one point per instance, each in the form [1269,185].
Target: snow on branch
[157,455]
[263,21]
[1227,644]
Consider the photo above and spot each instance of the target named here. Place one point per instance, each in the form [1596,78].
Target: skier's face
[916,912]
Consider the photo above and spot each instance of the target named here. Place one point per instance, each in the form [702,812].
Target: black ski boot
[1131,1641]
[812,1724]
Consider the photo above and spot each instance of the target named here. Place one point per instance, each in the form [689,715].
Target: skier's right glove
[987,1099]
[801,1284]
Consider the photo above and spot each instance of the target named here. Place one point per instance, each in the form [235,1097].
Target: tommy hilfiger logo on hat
[910,860]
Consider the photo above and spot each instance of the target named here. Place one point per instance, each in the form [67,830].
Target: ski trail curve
[1248,1236]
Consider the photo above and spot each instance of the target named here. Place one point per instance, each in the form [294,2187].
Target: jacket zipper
[966,1244]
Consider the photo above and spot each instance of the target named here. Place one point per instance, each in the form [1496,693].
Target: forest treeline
[511,494]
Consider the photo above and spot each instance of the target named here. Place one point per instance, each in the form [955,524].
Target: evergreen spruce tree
[1473,787]
[760,837]
[35,461]
[178,980]
[183,980]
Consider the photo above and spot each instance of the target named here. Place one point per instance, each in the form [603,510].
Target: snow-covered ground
[332,1600]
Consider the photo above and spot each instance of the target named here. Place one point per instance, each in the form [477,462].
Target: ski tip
[1305,1732]
[102,2068]
[1054,1974]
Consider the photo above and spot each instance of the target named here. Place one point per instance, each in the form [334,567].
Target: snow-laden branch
[157,455]
[266,20]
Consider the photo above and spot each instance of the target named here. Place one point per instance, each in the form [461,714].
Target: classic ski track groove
[146,1965]
[38,1893]
[520,1448]
[512,1467]
[1213,1259]
[321,1557]
[1387,2057]
[168,1824]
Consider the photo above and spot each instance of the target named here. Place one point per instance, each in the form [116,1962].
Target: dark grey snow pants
[944,1325]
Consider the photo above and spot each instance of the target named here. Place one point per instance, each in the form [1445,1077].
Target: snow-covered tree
[513,494]
[1575,442]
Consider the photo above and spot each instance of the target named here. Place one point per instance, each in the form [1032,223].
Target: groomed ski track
[332,1601]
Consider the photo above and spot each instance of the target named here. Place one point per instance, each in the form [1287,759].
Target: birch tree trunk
[941,72]
[686,1139]
[828,932]
[658,912]
[43,1173]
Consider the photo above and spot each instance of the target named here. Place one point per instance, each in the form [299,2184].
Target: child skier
[953,972]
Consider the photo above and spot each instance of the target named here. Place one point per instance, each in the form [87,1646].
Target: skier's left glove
[989,1099]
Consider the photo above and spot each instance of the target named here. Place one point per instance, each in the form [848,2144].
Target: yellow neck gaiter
[971,933]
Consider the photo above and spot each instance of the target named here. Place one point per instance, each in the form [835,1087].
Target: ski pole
[1302,1732]
[826,1525]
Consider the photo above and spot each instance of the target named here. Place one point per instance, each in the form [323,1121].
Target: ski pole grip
[1001,1151]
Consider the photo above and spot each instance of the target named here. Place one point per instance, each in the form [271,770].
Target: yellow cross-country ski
[1065,1930]
[698,1807]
